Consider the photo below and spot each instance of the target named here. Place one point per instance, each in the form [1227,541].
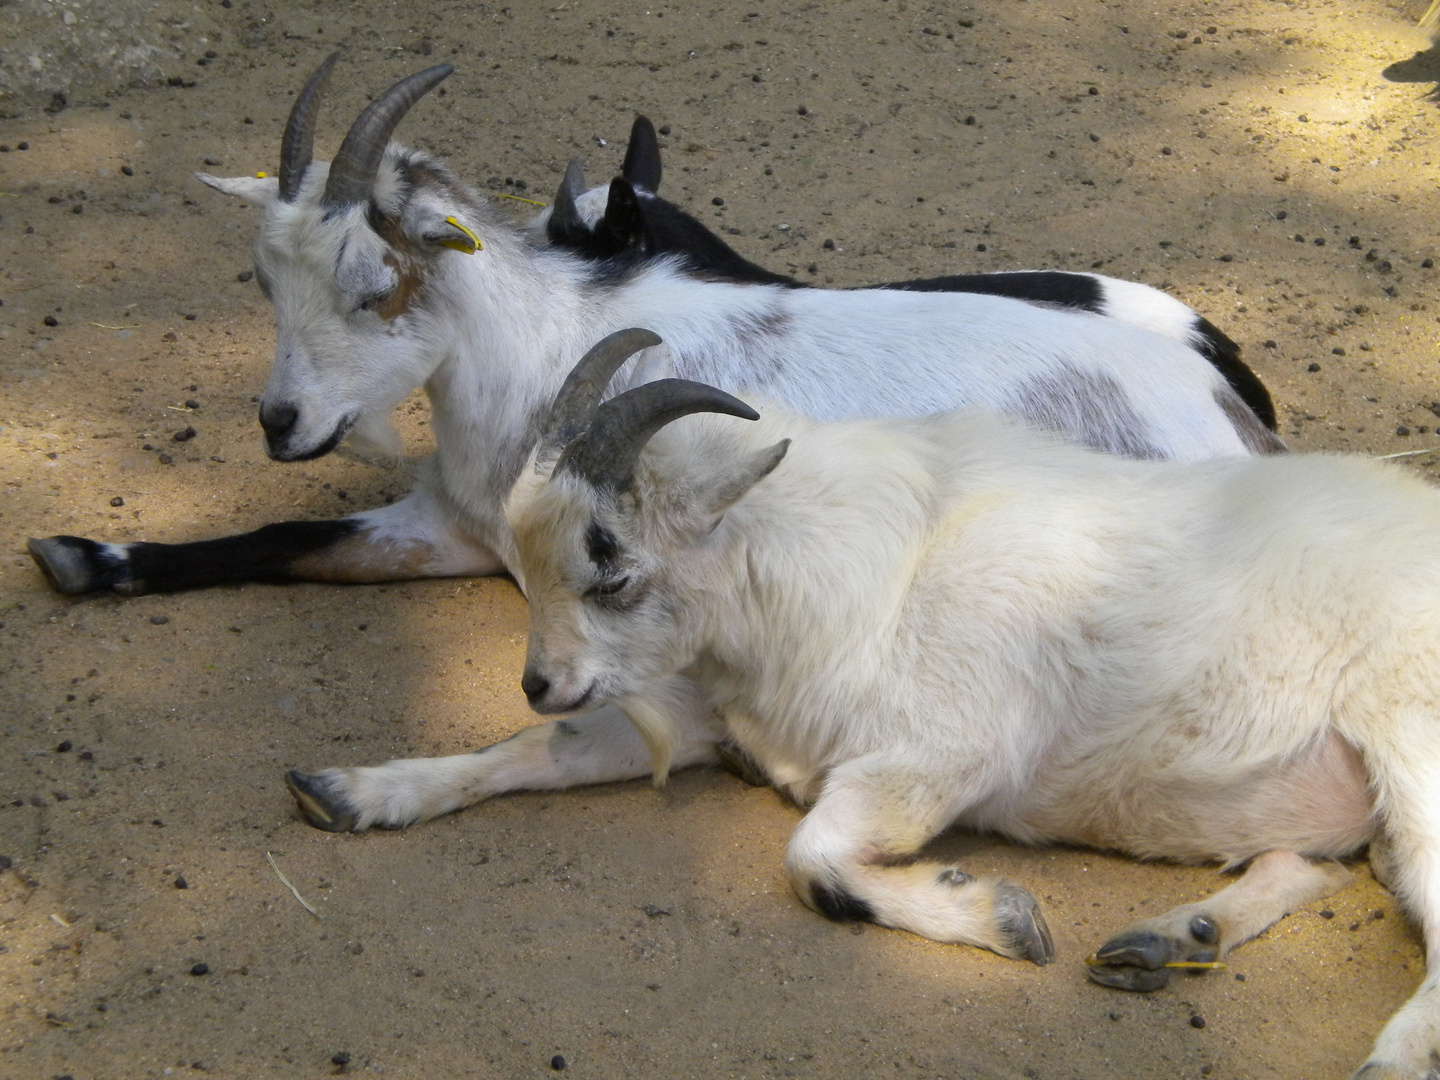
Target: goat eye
[374,300]
[603,589]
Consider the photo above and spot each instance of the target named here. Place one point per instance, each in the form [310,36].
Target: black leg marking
[75,565]
[837,904]
[734,760]
[1224,355]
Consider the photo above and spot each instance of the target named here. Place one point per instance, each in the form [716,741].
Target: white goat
[380,283]
[910,624]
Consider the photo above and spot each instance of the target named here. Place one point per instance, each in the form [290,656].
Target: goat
[628,222]
[912,624]
[387,274]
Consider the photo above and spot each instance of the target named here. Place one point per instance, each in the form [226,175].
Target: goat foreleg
[597,747]
[412,538]
[846,862]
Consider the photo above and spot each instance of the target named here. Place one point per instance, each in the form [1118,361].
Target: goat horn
[352,173]
[298,142]
[564,215]
[605,455]
[579,395]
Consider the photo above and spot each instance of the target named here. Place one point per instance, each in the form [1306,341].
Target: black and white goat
[917,623]
[628,222]
[387,274]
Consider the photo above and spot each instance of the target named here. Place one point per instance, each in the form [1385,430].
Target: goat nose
[277,420]
[534,684]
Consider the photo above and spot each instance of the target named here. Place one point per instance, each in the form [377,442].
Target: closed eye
[606,588]
[374,300]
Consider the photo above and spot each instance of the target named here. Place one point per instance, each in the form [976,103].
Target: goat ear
[652,365]
[642,156]
[622,225]
[257,189]
[727,487]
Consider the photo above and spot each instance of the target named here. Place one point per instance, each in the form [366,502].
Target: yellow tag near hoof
[261,175]
[468,244]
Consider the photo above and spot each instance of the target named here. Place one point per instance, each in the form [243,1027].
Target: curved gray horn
[580,394]
[605,455]
[298,142]
[564,214]
[352,173]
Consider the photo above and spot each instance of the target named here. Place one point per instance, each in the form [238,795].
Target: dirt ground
[1267,162]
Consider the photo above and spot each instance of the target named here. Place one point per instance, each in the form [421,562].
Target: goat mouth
[334,439]
[568,706]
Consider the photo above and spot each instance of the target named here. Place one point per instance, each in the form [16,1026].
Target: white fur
[491,335]
[913,624]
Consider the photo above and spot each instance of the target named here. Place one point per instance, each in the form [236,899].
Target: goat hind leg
[843,862]
[1272,886]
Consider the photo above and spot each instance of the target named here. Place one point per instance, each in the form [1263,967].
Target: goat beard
[651,717]
[375,439]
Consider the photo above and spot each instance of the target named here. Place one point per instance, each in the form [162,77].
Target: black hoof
[1020,918]
[317,805]
[73,565]
[1137,960]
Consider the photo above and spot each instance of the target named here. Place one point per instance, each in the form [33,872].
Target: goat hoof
[1135,961]
[73,565]
[1018,914]
[319,805]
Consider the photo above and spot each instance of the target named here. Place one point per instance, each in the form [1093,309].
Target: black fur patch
[263,555]
[601,546]
[1224,355]
[1057,287]
[839,905]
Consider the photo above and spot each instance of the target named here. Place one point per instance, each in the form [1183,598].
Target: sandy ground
[1269,163]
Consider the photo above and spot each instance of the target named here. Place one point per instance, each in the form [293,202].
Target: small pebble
[980,247]
[1281,215]
[1239,976]
[1327,914]
[803,111]
[1337,351]
[1197,1021]
[185,435]
[200,969]
[87,755]
[51,320]
[127,170]
[64,747]
[78,208]
[212,161]
[1313,367]
[664,129]
[1402,430]
[340,1057]
[717,201]
[22,145]
[191,403]
[1269,344]
[245,275]
[1094,91]
[1427,263]
[1165,150]
[180,882]
[558,1062]
[159,620]
[117,501]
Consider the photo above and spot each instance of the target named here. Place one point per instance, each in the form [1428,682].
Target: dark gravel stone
[1197,1021]
[51,320]
[127,170]
[717,201]
[558,1062]
[6,862]
[1313,368]
[159,620]
[200,969]
[180,882]
[117,501]
[64,747]
[340,1057]
[191,403]
[184,436]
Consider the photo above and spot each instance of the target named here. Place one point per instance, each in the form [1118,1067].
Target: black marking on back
[1224,355]
[1057,287]
[837,904]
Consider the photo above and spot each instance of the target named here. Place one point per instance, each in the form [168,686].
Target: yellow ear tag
[261,175]
[468,246]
